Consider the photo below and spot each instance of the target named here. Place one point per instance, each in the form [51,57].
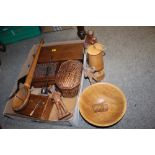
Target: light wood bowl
[95,94]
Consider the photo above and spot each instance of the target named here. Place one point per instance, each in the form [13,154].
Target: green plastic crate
[12,34]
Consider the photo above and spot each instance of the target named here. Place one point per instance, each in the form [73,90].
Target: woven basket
[68,78]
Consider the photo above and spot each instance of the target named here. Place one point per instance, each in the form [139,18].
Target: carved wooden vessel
[102,104]
[95,56]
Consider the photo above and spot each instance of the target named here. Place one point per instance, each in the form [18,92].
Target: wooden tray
[42,111]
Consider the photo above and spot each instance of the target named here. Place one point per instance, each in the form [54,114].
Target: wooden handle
[33,66]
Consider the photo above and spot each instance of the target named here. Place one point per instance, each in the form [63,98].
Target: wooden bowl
[110,100]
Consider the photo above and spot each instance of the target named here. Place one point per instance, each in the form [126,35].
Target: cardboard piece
[71,103]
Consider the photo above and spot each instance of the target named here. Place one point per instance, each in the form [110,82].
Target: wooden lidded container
[68,77]
[95,56]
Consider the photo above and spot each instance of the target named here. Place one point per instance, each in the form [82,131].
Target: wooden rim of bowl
[116,120]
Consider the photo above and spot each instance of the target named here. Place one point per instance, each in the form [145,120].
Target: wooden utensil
[20,99]
[102,104]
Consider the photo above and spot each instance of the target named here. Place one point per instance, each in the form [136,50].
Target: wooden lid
[99,46]
[69,74]
[102,104]
[92,50]
[95,49]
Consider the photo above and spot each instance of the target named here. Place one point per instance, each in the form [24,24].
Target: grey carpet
[129,64]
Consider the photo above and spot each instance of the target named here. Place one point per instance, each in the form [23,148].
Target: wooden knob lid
[95,49]
[92,50]
[99,46]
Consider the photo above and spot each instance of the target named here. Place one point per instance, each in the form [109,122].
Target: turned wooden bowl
[102,104]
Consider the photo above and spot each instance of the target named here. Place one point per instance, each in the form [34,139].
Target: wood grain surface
[43,109]
[95,57]
[61,53]
[102,93]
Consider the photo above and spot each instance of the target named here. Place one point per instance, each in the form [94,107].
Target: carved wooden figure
[61,108]
[90,73]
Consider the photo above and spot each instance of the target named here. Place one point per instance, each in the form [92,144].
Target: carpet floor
[129,64]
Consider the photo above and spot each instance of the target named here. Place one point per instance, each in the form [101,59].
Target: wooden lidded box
[54,54]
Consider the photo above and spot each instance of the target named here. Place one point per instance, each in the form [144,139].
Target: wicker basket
[68,78]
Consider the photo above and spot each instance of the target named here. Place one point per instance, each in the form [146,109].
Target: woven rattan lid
[69,74]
